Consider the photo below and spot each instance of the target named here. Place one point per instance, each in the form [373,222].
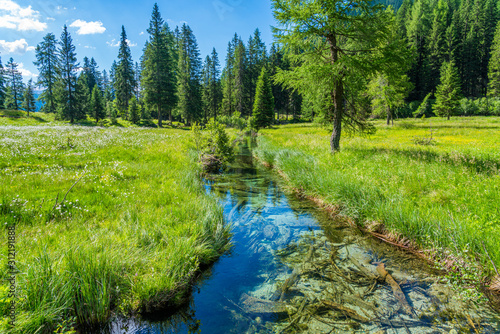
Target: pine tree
[133,110]
[494,66]
[46,61]
[448,91]
[15,84]
[189,75]
[97,109]
[29,104]
[263,108]
[137,78]
[67,69]
[2,85]
[107,87]
[124,77]
[158,68]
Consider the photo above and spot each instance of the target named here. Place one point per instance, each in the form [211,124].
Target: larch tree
[46,61]
[67,67]
[15,84]
[29,103]
[158,68]
[124,82]
[263,107]
[333,45]
[448,91]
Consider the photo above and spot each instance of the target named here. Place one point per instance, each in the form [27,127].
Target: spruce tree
[124,83]
[448,91]
[212,94]
[29,104]
[257,58]
[227,80]
[15,84]
[133,110]
[263,108]
[158,68]
[437,41]
[67,69]
[82,98]
[241,83]
[46,61]
[97,108]
[189,75]
[2,85]
[494,66]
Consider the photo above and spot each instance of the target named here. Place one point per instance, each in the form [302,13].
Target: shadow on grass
[39,119]
[474,164]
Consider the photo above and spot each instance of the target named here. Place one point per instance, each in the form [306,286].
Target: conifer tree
[158,68]
[29,104]
[257,58]
[332,51]
[494,66]
[2,85]
[437,41]
[212,94]
[241,82]
[82,98]
[67,68]
[15,84]
[189,75]
[46,61]
[124,83]
[263,108]
[227,80]
[133,110]
[97,109]
[448,91]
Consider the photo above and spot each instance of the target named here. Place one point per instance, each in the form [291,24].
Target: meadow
[430,181]
[107,220]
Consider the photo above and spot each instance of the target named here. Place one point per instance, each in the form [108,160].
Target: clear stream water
[289,260]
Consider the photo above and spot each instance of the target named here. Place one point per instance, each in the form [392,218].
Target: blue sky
[96,25]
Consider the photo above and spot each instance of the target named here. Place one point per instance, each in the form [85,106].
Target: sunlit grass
[130,235]
[441,195]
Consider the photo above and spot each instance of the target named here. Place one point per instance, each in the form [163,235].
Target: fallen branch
[345,310]
[396,289]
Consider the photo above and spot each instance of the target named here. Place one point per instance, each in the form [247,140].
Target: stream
[292,269]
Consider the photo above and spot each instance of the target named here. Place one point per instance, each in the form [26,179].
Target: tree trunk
[338,112]
[388,116]
[170,116]
[448,116]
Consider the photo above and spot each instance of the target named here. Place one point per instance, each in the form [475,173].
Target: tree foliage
[448,91]
[29,103]
[46,61]
[263,108]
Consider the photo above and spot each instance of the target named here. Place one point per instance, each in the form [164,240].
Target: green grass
[444,196]
[130,236]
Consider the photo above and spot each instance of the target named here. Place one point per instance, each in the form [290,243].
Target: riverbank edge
[379,231]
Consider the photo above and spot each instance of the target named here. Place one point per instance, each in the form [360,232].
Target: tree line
[169,82]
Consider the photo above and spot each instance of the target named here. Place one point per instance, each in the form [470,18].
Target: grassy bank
[128,236]
[443,193]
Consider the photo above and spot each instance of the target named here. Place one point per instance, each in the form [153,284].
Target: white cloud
[88,28]
[13,16]
[114,43]
[141,33]
[89,47]
[17,47]
[27,74]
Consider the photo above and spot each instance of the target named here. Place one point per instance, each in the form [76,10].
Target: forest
[126,189]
